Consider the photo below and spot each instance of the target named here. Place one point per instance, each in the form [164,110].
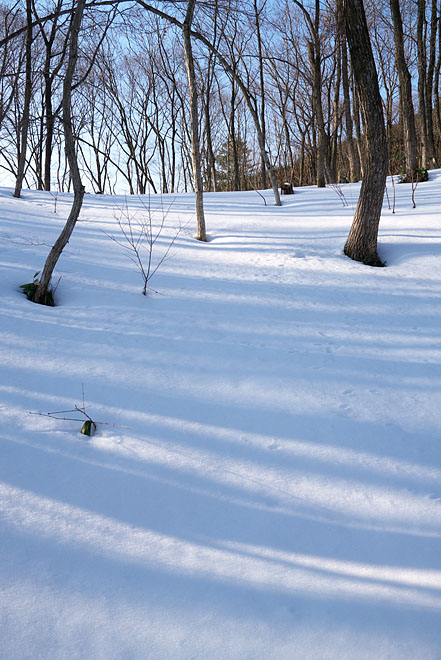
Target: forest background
[281,67]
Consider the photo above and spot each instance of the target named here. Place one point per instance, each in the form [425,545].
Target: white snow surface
[271,487]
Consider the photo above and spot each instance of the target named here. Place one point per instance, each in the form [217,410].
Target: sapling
[338,189]
[140,234]
[264,200]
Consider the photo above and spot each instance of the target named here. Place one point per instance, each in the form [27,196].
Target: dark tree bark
[361,244]
[405,82]
[41,294]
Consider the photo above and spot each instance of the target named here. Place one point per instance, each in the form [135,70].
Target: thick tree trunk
[195,144]
[55,253]
[405,82]
[361,244]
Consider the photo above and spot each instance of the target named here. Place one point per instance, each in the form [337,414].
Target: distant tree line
[131,104]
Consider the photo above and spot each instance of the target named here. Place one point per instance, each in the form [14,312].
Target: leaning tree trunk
[41,294]
[195,144]
[361,244]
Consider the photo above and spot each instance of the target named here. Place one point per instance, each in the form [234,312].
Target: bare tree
[140,232]
[195,144]
[41,293]
[354,160]
[257,21]
[26,104]
[406,102]
[315,60]
[425,80]
[11,60]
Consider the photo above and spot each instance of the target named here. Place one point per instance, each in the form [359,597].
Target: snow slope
[271,489]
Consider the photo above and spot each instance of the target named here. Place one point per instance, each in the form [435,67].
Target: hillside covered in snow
[265,481]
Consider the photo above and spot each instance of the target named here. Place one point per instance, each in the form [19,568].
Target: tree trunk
[422,60]
[405,82]
[333,172]
[360,138]
[49,135]
[210,151]
[354,161]
[195,145]
[41,293]
[322,137]
[262,87]
[361,244]
[26,105]
[436,90]
[431,160]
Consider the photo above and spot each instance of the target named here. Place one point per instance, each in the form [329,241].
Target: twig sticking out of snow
[89,425]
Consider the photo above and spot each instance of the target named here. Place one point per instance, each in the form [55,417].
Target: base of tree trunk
[43,297]
[366,257]
[34,293]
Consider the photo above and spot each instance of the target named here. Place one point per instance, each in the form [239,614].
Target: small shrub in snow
[88,427]
[421,175]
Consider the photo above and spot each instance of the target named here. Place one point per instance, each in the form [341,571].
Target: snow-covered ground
[271,487]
